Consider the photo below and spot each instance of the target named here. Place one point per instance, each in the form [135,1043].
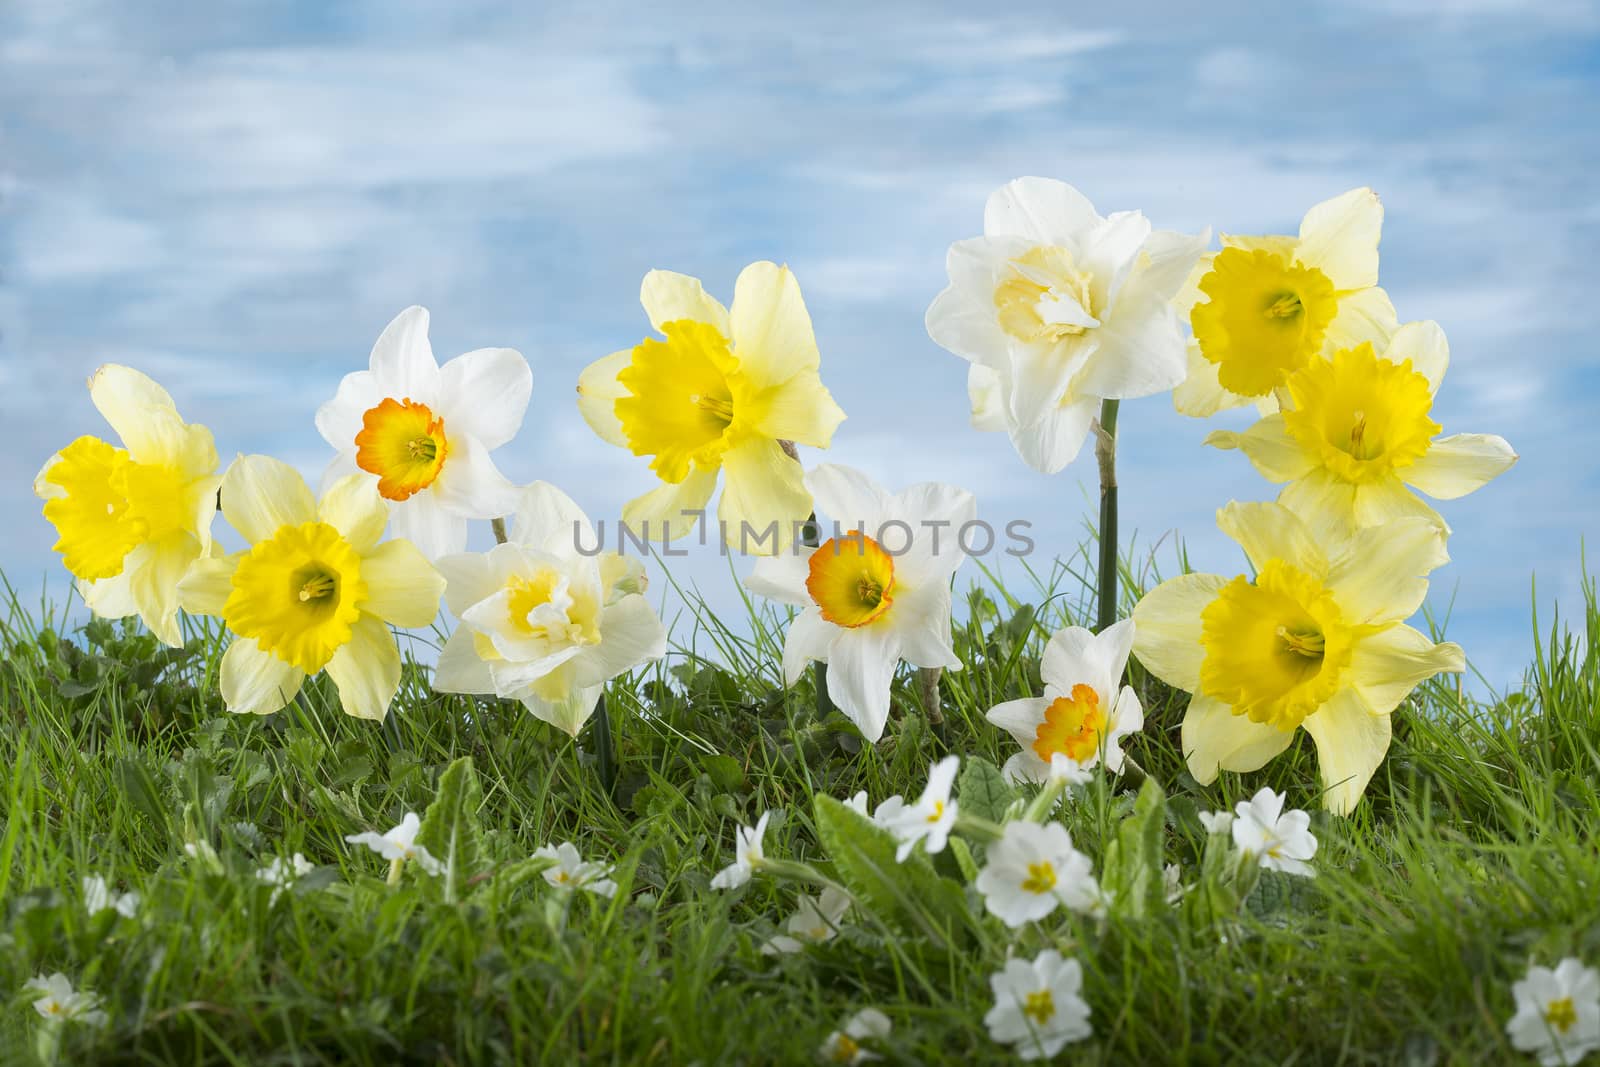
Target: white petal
[1214,738]
[469,578]
[861,666]
[984,396]
[630,634]
[261,494]
[1340,236]
[428,524]
[1020,718]
[547,518]
[1054,441]
[847,496]
[1141,351]
[920,619]
[1036,383]
[459,669]
[487,391]
[781,577]
[1110,253]
[469,483]
[1041,209]
[402,360]
[1456,465]
[936,514]
[339,420]
[810,638]
[257,682]
[366,669]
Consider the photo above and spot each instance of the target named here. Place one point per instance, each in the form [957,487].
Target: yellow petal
[1166,628]
[1363,316]
[366,669]
[1271,531]
[668,296]
[800,410]
[1382,575]
[205,586]
[1325,503]
[1200,394]
[598,390]
[132,403]
[110,598]
[1340,237]
[671,511]
[261,494]
[1351,742]
[353,506]
[1456,465]
[403,588]
[256,682]
[1386,498]
[1387,665]
[772,336]
[765,490]
[1275,454]
[1424,344]
[154,585]
[1214,739]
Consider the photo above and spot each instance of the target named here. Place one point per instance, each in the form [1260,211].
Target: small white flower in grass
[1038,1005]
[844,1046]
[1172,882]
[399,844]
[1216,822]
[572,871]
[858,803]
[930,819]
[816,920]
[1558,1013]
[1064,770]
[1279,840]
[282,871]
[747,856]
[97,897]
[1034,869]
[59,1002]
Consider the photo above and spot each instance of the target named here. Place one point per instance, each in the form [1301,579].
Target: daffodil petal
[772,335]
[764,488]
[487,389]
[470,485]
[1351,742]
[781,577]
[402,586]
[353,506]
[402,359]
[598,392]
[1382,575]
[861,666]
[366,669]
[261,494]
[983,393]
[256,682]
[668,296]
[1020,718]
[1325,503]
[1386,499]
[847,496]
[1075,656]
[111,598]
[1200,394]
[631,634]
[133,404]
[1270,449]
[154,585]
[545,517]
[1055,440]
[1364,316]
[427,523]
[920,619]
[460,669]
[957,320]
[1043,210]
[206,584]
[1214,739]
[1140,351]
[1340,237]
[1271,531]
[810,638]
[1167,628]
[1456,465]
[670,512]
[1387,665]
[1424,344]
[800,410]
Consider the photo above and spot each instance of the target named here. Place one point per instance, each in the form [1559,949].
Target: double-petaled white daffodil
[1358,431]
[1276,839]
[1032,870]
[1558,1013]
[930,819]
[1315,639]
[845,1046]
[814,921]
[571,871]
[1058,309]
[546,618]
[749,854]
[426,431]
[130,520]
[1264,307]
[60,1003]
[874,595]
[1038,1005]
[720,391]
[1085,710]
[98,897]
[315,590]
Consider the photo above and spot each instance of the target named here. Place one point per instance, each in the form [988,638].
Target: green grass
[1473,854]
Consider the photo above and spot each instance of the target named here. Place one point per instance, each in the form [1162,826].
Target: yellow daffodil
[314,590]
[1316,639]
[717,392]
[1359,431]
[1264,307]
[131,520]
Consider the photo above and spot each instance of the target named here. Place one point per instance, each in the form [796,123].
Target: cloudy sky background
[238,204]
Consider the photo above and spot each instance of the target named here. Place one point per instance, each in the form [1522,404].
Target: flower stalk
[1105,451]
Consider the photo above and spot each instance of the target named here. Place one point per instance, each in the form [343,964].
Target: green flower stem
[793,871]
[1040,807]
[1105,450]
[975,827]
[396,865]
[499,527]
[605,750]
[811,539]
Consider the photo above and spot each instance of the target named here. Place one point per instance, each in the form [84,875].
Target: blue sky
[237,205]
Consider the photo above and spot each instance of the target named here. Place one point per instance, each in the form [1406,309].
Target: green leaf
[1133,860]
[451,831]
[984,791]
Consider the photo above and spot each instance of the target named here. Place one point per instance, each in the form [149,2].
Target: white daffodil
[1558,1013]
[1032,870]
[872,596]
[572,871]
[316,590]
[98,897]
[1038,1005]
[747,856]
[1058,309]
[426,431]
[131,520]
[814,921]
[281,872]
[399,844]
[545,618]
[1357,436]
[845,1046]
[59,1002]
[1085,710]
[1217,822]
[930,819]
[1278,840]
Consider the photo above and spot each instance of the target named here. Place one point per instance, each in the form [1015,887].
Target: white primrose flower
[59,1002]
[814,921]
[572,871]
[844,1046]
[400,843]
[1084,712]
[97,897]
[858,803]
[426,431]
[1216,822]
[1063,770]
[1558,1013]
[1279,840]
[1038,1005]
[747,856]
[546,619]
[281,872]
[930,819]
[1032,870]
[873,595]
[1058,309]
[1172,882]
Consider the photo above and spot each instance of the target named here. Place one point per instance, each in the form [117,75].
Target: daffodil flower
[1264,307]
[1032,870]
[130,520]
[425,431]
[845,1046]
[1038,1005]
[816,919]
[1058,309]
[1558,1013]
[747,857]
[865,607]
[1278,840]
[316,590]
[542,621]
[98,897]
[1315,639]
[1358,433]
[60,1003]
[399,845]
[571,871]
[1085,711]
[930,819]
[718,392]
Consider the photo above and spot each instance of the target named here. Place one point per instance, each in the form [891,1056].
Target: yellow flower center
[1040,1006]
[1072,726]
[685,396]
[1265,319]
[935,812]
[403,443]
[1275,649]
[1044,297]
[851,579]
[545,606]
[1561,1015]
[1360,415]
[1041,877]
[112,506]
[845,1049]
[298,594]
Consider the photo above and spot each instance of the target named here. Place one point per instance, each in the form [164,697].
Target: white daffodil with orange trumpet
[1057,309]
[130,520]
[719,392]
[1358,436]
[425,431]
[1316,639]
[316,590]
[876,593]
[1264,307]
[542,620]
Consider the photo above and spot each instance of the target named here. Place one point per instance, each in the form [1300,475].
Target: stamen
[425,449]
[722,409]
[316,588]
[1041,878]
[1286,306]
[1040,1006]
[870,591]
[1311,645]
[1358,433]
